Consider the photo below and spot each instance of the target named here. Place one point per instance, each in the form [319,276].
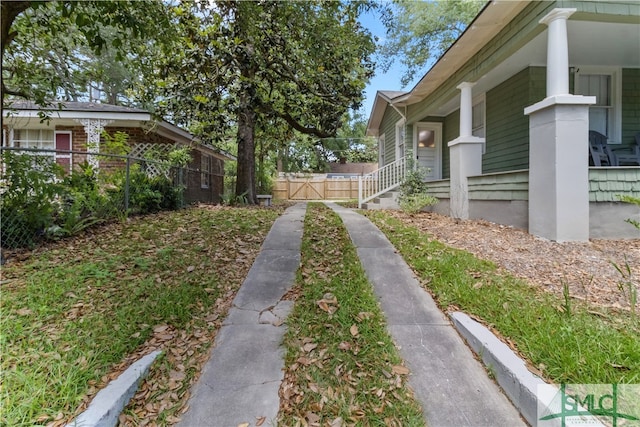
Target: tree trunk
[246,172]
[247,101]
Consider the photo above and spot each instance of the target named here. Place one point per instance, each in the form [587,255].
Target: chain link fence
[54,193]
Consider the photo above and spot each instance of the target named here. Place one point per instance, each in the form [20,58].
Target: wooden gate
[315,188]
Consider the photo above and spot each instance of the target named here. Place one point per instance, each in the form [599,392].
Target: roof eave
[489,21]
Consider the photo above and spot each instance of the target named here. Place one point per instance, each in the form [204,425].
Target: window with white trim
[381,149]
[400,138]
[478,117]
[604,115]
[33,138]
[205,171]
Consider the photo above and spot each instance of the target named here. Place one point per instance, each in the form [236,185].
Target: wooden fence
[315,188]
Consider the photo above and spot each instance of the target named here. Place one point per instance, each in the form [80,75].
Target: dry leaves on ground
[587,267]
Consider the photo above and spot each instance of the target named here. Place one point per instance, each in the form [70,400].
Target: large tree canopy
[255,66]
[420,31]
[262,69]
[52,50]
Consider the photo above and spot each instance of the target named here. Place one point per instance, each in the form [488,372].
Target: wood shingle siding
[500,186]
[606,184]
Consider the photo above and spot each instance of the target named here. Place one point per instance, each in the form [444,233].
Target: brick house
[78,127]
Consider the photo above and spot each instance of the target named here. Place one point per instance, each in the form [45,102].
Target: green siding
[500,186]
[630,104]
[606,184]
[450,131]
[388,128]
[522,29]
[439,189]
[507,127]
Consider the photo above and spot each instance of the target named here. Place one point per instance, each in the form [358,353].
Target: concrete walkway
[451,385]
[240,382]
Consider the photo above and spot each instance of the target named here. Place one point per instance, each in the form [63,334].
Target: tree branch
[300,128]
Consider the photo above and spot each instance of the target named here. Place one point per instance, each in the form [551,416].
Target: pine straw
[586,267]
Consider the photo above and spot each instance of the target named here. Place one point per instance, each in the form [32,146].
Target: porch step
[388,200]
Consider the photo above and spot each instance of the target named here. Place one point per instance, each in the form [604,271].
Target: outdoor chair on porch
[629,156]
[601,153]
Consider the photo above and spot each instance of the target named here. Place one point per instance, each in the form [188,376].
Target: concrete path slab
[452,386]
[240,382]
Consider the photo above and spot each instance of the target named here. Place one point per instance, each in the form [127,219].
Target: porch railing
[380,181]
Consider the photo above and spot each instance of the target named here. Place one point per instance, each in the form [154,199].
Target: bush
[413,191]
[31,194]
[146,194]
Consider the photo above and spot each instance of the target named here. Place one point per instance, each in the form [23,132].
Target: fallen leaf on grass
[344,345]
[400,370]
[354,330]
[260,421]
[243,425]
[309,347]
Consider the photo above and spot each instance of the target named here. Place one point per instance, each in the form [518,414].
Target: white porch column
[558,147]
[557,51]
[465,156]
[93,128]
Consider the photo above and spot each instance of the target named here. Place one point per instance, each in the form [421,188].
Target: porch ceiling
[596,44]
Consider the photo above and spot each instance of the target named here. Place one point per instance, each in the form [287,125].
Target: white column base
[559,168]
[465,154]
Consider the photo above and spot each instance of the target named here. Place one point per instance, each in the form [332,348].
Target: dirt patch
[587,267]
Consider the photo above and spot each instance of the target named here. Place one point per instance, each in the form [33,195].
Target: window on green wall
[478,119]
[400,138]
[604,114]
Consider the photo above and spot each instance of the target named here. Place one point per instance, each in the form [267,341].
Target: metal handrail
[380,181]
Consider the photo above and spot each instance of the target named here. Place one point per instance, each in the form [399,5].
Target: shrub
[413,191]
[31,196]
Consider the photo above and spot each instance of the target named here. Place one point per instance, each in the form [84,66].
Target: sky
[381,81]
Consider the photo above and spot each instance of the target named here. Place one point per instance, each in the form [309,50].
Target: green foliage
[84,204]
[58,48]
[148,194]
[635,201]
[118,143]
[418,32]
[268,68]
[38,201]
[30,197]
[179,157]
[413,191]
[232,199]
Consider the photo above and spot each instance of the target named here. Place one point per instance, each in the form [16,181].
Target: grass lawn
[566,340]
[78,312]
[341,365]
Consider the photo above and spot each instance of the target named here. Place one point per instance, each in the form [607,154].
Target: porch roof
[25,113]
[614,36]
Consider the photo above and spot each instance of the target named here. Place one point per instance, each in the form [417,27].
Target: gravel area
[586,267]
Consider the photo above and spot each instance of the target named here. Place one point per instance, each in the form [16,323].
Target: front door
[63,149]
[427,146]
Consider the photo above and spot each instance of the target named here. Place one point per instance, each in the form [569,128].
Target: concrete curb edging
[105,408]
[511,373]
[525,390]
